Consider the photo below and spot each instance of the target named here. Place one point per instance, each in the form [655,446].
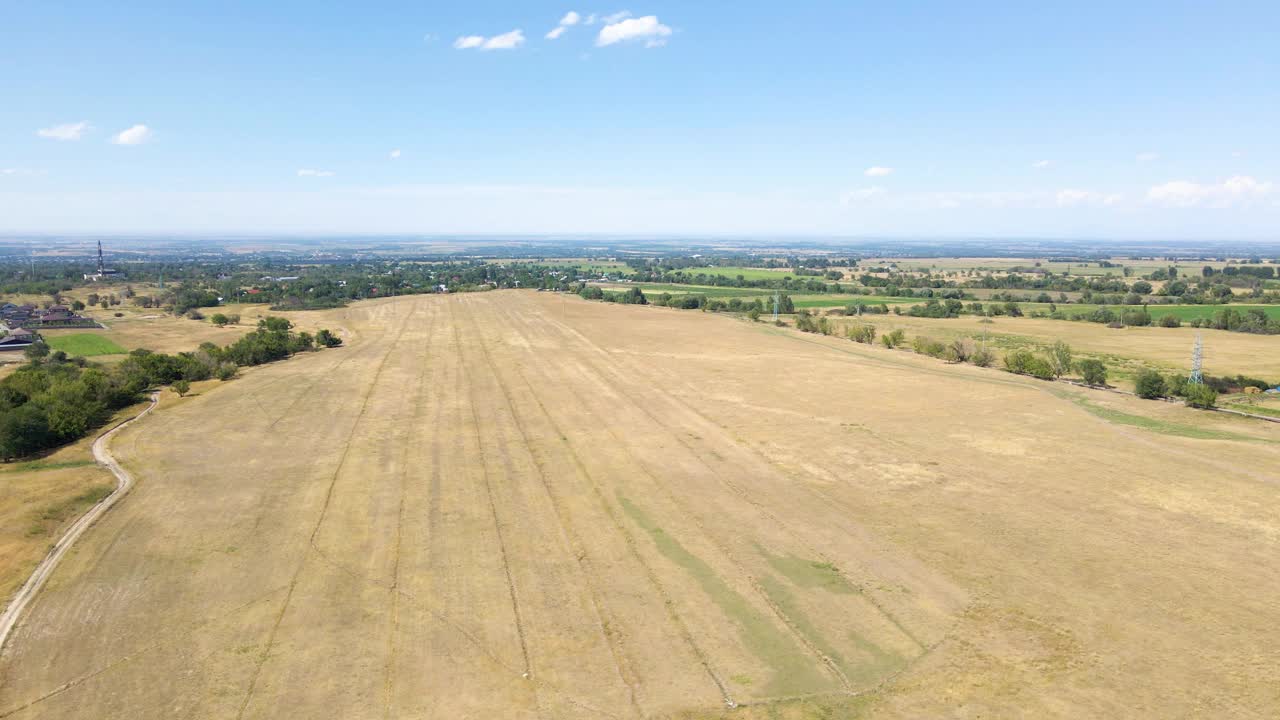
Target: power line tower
[1197,362]
[101,265]
[775,306]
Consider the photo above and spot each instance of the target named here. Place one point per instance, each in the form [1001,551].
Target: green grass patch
[708,290]
[52,516]
[795,672]
[1182,312]
[747,273]
[821,301]
[37,465]
[1255,409]
[1151,424]
[84,345]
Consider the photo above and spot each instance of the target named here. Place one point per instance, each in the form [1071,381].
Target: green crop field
[84,345]
[708,290]
[826,301]
[747,273]
[1184,312]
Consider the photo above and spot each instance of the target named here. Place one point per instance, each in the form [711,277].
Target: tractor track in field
[389,668]
[569,537]
[716,541]
[324,508]
[497,525]
[825,498]
[651,575]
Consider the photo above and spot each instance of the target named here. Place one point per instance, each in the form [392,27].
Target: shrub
[960,350]
[1060,358]
[1200,396]
[863,334]
[1176,385]
[1093,372]
[1170,321]
[182,387]
[1024,362]
[928,346]
[982,357]
[1149,384]
[893,339]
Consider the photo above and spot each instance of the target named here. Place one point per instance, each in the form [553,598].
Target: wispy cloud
[66,131]
[570,18]
[505,41]
[307,172]
[394,154]
[1040,164]
[135,135]
[878,171]
[21,171]
[645,28]
[555,32]
[1148,157]
[615,17]
[1238,190]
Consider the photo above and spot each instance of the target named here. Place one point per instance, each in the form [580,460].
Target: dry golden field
[524,505]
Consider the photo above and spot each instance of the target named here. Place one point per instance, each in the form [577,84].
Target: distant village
[21,323]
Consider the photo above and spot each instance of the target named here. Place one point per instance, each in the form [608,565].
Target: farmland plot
[520,505]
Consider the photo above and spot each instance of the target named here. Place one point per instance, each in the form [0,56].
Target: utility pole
[1197,362]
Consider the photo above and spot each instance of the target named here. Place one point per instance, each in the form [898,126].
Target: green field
[708,290]
[825,301]
[1184,312]
[747,273]
[84,345]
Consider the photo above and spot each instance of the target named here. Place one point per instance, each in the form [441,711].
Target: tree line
[53,399]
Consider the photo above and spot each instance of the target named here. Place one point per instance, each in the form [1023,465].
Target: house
[18,339]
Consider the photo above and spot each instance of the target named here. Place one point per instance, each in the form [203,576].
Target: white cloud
[570,18]
[878,171]
[616,17]
[307,172]
[66,131]
[135,135]
[1147,157]
[591,19]
[1040,164]
[1238,190]
[395,154]
[505,41]
[646,27]
[555,32]
[21,171]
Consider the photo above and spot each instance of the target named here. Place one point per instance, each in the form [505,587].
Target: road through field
[522,505]
[17,606]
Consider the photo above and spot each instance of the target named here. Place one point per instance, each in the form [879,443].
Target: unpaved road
[18,605]
[520,505]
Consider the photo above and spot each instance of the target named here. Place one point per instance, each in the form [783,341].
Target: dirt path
[124,481]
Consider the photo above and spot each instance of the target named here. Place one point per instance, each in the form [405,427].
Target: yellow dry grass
[515,504]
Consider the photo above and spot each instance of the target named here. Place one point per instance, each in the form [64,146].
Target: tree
[36,351]
[1093,371]
[1201,396]
[1060,358]
[1142,287]
[182,387]
[754,314]
[1149,385]
[219,319]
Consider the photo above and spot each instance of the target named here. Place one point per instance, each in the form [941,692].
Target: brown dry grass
[647,510]
[39,498]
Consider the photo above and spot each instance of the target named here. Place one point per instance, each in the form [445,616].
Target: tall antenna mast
[1197,362]
[101,265]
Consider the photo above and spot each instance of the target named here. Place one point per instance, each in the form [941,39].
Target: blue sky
[835,118]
